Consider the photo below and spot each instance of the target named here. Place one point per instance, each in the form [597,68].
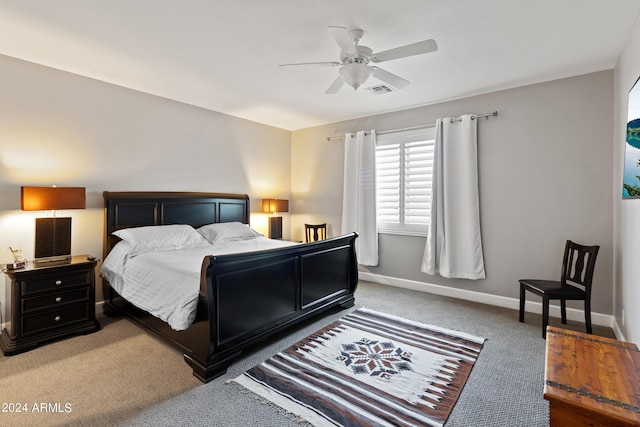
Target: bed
[244,298]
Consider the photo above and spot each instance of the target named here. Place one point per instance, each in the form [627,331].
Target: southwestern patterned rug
[369,369]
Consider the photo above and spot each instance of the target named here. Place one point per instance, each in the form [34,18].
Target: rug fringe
[281,411]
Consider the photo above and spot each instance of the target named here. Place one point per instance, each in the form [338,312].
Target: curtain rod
[458,119]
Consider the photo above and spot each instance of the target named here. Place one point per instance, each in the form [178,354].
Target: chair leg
[522,291]
[545,316]
[563,311]
[587,316]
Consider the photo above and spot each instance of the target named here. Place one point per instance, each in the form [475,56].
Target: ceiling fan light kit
[355,74]
[354,60]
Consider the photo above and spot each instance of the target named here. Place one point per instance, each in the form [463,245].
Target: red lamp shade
[275,205]
[52,198]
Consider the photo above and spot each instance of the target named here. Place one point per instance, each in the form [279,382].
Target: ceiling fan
[354,60]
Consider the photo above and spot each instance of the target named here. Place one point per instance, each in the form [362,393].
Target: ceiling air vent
[381,89]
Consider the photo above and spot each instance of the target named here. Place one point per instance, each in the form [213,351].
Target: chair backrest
[315,232]
[578,264]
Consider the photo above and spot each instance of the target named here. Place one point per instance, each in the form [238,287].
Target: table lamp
[275,222]
[53,235]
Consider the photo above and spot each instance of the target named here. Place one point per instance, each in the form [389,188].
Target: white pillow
[160,238]
[227,231]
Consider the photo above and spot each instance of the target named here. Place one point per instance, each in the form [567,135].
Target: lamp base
[63,259]
[53,238]
[275,227]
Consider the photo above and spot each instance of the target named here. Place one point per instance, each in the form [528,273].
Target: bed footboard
[253,296]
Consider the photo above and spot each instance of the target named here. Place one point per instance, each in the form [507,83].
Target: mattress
[166,284]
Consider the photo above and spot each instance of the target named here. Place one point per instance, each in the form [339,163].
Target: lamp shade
[275,205]
[355,74]
[52,198]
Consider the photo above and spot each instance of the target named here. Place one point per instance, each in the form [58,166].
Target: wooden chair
[315,232]
[577,267]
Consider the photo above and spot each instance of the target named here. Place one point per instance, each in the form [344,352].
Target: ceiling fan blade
[335,86]
[342,37]
[391,79]
[418,48]
[321,64]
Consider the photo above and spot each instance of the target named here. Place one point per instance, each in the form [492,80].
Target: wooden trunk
[591,380]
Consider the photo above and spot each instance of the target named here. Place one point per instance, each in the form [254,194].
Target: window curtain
[454,244]
[359,195]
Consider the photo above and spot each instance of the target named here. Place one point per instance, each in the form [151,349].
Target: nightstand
[47,302]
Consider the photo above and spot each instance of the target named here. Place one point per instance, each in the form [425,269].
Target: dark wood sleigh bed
[244,298]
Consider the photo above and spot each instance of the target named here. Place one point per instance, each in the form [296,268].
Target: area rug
[369,369]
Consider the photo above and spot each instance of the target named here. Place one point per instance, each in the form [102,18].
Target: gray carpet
[121,376]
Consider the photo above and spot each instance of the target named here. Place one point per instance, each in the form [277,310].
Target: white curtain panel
[359,195]
[454,243]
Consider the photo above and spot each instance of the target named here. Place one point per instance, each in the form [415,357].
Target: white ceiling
[223,55]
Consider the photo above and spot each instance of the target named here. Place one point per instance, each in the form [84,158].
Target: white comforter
[167,284]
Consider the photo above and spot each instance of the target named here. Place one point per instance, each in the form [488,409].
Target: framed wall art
[631,177]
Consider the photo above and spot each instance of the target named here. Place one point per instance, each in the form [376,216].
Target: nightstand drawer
[54,319]
[55,299]
[52,282]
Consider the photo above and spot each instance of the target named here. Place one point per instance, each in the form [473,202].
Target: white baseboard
[512,303]
[617,330]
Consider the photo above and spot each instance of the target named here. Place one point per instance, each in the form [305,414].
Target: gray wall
[59,128]
[545,168]
[627,212]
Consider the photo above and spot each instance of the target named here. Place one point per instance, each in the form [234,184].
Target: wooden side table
[49,302]
[591,380]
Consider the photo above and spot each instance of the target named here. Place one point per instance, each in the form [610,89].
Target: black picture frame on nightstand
[49,302]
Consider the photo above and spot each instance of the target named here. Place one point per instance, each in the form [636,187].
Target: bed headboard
[136,209]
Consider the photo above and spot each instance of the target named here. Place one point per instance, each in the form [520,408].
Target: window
[404,163]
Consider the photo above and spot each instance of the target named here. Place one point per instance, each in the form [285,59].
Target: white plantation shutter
[404,162]
[388,182]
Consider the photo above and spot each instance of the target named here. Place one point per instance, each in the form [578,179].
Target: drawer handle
[57,318]
[58,282]
[58,299]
